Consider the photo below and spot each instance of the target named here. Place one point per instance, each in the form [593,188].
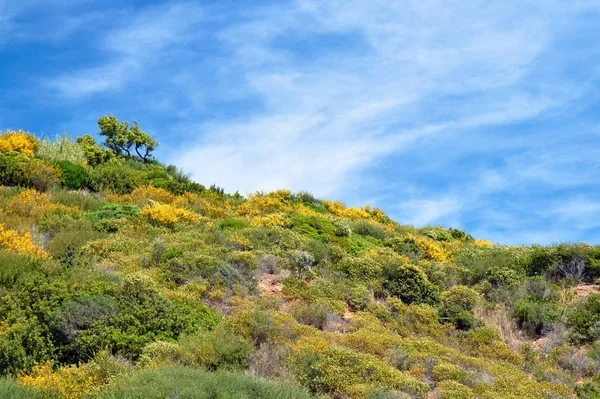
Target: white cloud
[132,48]
[324,121]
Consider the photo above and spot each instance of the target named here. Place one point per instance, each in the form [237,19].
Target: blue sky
[474,114]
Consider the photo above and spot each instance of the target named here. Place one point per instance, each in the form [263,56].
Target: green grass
[187,383]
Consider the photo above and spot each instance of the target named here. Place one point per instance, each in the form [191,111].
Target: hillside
[120,277]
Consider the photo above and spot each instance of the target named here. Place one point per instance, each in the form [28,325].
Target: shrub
[79,314]
[12,241]
[366,228]
[216,350]
[360,268]
[24,343]
[233,224]
[81,200]
[18,170]
[115,178]
[73,176]
[14,267]
[11,389]
[94,154]
[536,318]
[62,148]
[168,215]
[584,320]
[346,373]
[461,296]
[312,226]
[411,285]
[453,390]
[459,317]
[171,382]
[302,261]
[114,211]
[311,314]
[19,141]
[447,371]
[65,244]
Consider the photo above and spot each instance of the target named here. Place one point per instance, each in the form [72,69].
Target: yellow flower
[168,215]
[13,242]
[20,141]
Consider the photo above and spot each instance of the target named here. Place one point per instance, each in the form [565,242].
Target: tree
[94,154]
[123,138]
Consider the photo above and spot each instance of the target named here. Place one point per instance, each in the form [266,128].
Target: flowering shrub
[259,203]
[72,382]
[20,141]
[144,193]
[273,219]
[432,249]
[35,205]
[168,215]
[13,242]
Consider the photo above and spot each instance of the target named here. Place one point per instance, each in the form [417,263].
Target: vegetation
[120,277]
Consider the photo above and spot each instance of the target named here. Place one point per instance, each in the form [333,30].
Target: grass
[187,383]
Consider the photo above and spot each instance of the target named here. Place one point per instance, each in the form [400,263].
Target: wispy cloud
[132,48]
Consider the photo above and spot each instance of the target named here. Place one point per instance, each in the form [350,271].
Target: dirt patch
[269,284]
[586,289]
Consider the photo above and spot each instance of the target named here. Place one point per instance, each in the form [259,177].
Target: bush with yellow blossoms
[13,242]
[168,215]
[35,205]
[20,141]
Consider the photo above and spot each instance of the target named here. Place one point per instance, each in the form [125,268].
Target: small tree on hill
[122,138]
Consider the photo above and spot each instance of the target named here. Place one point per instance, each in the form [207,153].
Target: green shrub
[65,243]
[536,318]
[311,314]
[447,371]
[358,297]
[115,178]
[181,382]
[312,226]
[79,314]
[462,319]
[584,319]
[14,267]
[81,200]
[216,350]
[411,285]
[62,148]
[73,176]
[24,343]
[464,297]
[366,228]
[454,390]
[10,389]
[233,224]
[18,170]
[114,211]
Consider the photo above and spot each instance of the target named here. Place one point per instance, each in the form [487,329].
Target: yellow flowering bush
[273,219]
[339,209]
[260,203]
[35,205]
[70,382]
[168,215]
[13,242]
[433,250]
[20,141]
[484,243]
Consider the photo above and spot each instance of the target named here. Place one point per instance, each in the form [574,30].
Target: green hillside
[122,278]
